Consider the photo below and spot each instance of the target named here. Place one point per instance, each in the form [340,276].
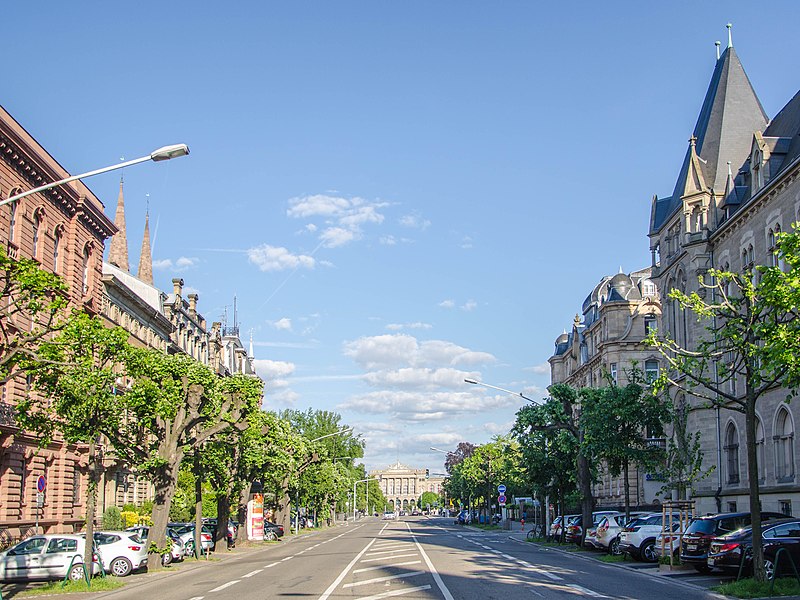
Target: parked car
[273,530]
[574,528]
[230,536]
[463,518]
[607,537]
[591,540]
[697,538]
[186,533]
[178,552]
[638,538]
[45,557]
[388,515]
[726,551]
[557,525]
[121,552]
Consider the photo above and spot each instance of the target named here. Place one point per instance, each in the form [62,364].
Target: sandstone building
[402,485]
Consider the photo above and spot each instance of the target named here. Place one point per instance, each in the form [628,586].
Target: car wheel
[702,568]
[613,547]
[190,548]
[769,569]
[648,551]
[120,567]
[166,558]
[76,572]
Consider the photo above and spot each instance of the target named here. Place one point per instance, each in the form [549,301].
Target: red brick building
[63,228]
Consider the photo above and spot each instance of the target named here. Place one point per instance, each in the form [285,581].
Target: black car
[697,537]
[726,551]
[272,530]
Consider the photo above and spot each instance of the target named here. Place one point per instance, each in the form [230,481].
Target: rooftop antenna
[730,38]
[717,44]
[235,317]
[122,172]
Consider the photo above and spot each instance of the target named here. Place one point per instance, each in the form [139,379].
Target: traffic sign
[501,499]
[501,488]
[40,499]
[41,483]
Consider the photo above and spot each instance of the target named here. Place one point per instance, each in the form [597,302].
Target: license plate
[710,562]
[691,546]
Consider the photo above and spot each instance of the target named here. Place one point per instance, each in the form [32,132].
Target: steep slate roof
[731,113]
[786,124]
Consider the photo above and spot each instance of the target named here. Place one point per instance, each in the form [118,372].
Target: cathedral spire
[145,272]
[118,251]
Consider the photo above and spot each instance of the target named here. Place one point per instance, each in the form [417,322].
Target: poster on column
[255,518]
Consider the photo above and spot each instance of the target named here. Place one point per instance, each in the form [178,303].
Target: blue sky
[399,194]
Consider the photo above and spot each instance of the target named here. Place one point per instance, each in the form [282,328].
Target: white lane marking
[251,573]
[197,598]
[396,593]
[392,557]
[379,579]
[402,564]
[388,546]
[224,585]
[436,577]
[342,575]
[537,593]
[389,551]
[383,529]
[506,556]
[272,565]
[287,558]
[587,591]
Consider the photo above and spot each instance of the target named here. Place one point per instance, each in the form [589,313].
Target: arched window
[86,256]
[12,234]
[732,453]
[784,446]
[760,454]
[56,248]
[772,248]
[37,225]
[651,370]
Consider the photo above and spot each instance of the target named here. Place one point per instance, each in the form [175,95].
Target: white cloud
[180,264]
[398,350]
[270,258]
[466,242]
[414,221]
[317,205]
[388,240]
[447,304]
[469,305]
[400,326]
[333,237]
[272,370]
[284,324]
[410,377]
[540,369]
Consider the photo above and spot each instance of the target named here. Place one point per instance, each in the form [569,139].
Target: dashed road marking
[224,585]
[251,573]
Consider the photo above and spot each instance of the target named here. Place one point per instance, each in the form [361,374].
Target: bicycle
[535,532]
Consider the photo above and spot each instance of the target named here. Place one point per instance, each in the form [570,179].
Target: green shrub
[112,519]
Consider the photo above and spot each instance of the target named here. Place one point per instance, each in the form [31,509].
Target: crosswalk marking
[396,593]
[380,579]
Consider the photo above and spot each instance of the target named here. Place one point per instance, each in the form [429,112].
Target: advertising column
[255,518]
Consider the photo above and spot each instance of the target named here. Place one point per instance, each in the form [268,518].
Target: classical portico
[402,485]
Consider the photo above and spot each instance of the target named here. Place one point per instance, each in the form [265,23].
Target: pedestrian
[522,520]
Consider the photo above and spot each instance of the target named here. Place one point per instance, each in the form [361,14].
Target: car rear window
[706,526]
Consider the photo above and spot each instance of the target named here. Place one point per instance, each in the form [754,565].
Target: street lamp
[340,432]
[494,387]
[354,493]
[163,153]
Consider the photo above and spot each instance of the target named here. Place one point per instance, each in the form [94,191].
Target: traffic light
[427,473]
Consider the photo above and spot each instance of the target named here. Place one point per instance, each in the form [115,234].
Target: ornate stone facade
[402,485]
[737,188]
[64,229]
[605,341]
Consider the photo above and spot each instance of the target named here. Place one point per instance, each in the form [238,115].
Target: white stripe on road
[392,557]
[287,558]
[436,577]
[197,598]
[342,575]
[587,591]
[251,573]
[389,551]
[402,564]
[396,593]
[224,585]
[272,565]
[379,579]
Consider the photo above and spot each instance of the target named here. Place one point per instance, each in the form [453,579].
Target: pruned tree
[74,394]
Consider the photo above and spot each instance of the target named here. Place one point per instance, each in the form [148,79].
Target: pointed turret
[695,180]
[731,112]
[118,250]
[145,272]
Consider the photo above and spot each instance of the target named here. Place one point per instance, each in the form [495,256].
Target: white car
[178,552]
[186,534]
[121,552]
[607,537]
[638,538]
[388,516]
[45,557]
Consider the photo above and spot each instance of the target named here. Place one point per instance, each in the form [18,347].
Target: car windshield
[706,526]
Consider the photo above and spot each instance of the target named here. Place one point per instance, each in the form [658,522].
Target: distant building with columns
[402,485]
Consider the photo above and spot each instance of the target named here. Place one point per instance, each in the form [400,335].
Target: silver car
[45,557]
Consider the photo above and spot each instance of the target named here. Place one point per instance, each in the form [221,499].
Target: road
[410,559]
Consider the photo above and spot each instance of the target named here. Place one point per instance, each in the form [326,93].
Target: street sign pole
[41,486]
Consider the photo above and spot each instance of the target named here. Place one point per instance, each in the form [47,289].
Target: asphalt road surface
[414,559]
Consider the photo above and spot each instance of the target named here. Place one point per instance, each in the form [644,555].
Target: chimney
[193,304]
[177,287]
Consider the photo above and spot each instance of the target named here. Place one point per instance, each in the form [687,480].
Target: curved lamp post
[163,153]
[494,387]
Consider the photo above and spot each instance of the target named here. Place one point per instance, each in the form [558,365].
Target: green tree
[619,423]
[176,405]
[429,499]
[35,304]
[76,397]
[752,335]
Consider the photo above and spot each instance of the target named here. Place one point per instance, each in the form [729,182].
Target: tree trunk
[223,512]
[626,483]
[585,487]
[284,510]
[752,477]
[244,497]
[165,478]
[198,507]
[91,501]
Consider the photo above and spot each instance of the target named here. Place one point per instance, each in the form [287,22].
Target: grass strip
[750,588]
[99,584]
